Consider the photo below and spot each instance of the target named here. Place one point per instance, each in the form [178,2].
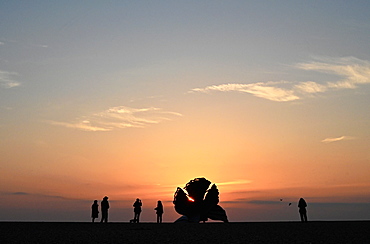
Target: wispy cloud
[7,79]
[4,41]
[27,194]
[310,87]
[262,202]
[335,139]
[260,89]
[81,125]
[237,182]
[352,71]
[119,118]
[19,193]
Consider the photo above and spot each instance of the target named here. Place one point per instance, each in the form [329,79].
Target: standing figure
[137,210]
[104,210]
[159,211]
[95,210]
[302,209]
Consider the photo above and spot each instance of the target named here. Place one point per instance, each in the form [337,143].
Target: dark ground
[256,232]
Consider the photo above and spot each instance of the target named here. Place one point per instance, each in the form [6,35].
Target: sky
[269,100]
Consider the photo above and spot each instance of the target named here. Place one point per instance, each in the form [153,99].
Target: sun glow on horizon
[190,199]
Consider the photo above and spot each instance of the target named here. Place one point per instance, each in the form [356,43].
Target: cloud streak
[7,79]
[261,202]
[336,139]
[21,193]
[120,117]
[260,89]
[352,72]
[237,182]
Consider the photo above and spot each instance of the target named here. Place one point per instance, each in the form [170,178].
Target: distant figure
[104,205]
[159,211]
[137,210]
[302,209]
[95,211]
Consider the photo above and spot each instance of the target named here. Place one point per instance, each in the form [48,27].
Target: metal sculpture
[200,203]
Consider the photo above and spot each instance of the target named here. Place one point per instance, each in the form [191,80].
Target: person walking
[302,210]
[137,210]
[104,205]
[159,211]
[95,210]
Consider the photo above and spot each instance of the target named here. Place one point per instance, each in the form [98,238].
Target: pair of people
[104,206]
[137,210]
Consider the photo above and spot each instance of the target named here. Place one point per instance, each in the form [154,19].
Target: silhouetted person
[137,210]
[302,209]
[104,205]
[159,211]
[95,211]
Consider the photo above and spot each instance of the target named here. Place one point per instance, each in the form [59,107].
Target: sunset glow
[132,99]
[190,199]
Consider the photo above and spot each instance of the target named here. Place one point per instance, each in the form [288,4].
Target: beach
[246,232]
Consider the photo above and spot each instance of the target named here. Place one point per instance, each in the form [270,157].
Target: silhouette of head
[105,198]
[95,201]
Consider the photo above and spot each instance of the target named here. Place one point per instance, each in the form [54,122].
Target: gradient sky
[269,100]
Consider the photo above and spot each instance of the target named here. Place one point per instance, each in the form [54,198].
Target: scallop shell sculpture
[200,203]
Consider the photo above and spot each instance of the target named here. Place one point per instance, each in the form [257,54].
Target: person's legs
[104,217]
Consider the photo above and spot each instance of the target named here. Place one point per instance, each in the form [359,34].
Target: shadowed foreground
[272,232]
